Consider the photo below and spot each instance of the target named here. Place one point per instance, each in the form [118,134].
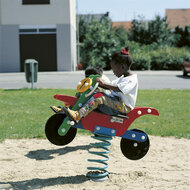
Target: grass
[24,112]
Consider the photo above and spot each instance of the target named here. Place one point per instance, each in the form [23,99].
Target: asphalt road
[69,80]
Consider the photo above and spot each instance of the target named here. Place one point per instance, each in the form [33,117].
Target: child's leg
[107,104]
[90,105]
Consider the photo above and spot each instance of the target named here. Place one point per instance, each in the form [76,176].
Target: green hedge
[169,58]
[141,62]
[160,58]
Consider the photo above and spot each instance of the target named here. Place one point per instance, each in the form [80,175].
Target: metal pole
[32,64]
[78,50]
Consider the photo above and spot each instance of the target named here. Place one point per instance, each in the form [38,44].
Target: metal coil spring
[99,173]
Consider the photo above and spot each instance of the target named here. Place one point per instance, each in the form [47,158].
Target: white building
[44,30]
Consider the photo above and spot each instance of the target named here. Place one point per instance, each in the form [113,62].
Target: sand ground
[38,164]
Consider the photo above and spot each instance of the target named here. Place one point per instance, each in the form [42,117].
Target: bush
[141,62]
[140,55]
[168,58]
[157,57]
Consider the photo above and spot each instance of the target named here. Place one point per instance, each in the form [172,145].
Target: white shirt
[107,80]
[129,87]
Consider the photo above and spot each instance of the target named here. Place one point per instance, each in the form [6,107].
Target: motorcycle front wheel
[51,130]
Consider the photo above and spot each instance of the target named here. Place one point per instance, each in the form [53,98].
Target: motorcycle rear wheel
[134,150]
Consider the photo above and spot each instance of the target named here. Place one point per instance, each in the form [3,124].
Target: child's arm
[106,85]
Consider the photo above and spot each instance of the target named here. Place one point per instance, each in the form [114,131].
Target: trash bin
[31,65]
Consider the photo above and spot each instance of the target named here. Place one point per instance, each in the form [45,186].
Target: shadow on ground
[183,77]
[43,154]
[41,183]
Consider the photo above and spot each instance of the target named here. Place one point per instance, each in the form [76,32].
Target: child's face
[118,69]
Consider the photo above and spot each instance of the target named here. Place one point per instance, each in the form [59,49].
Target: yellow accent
[57,109]
[75,114]
[120,108]
[84,85]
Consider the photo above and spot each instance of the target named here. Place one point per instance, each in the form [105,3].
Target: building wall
[63,52]
[178,17]
[66,34]
[9,47]
[73,42]
[60,13]
[0,48]
[57,12]
[0,11]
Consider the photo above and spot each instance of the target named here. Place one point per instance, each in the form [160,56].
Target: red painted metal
[100,119]
[69,100]
[97,95]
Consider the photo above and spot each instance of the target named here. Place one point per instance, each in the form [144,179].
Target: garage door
[41,47]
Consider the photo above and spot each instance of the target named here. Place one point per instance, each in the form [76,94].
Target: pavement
[69,80]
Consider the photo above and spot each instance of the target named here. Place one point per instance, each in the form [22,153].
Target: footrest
[122,116]
[104,130]
[134,135]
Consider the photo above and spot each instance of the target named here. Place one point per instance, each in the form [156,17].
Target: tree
[121,35]
[182,36]
[98,43]
[158,31]
[84,21]
[148,32]
[138,31]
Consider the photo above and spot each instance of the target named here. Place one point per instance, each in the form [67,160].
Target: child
[123,90]
[96,71]
[92,71]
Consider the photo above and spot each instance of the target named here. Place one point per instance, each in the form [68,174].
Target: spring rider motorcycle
[60,130]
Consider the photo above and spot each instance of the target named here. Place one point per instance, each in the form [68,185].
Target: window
[44,29]
[35,2]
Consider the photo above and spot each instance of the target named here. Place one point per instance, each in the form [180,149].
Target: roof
[178,17]
[88,17]
[126,25]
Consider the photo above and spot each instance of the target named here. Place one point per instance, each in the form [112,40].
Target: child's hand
[101,82]
[105,85]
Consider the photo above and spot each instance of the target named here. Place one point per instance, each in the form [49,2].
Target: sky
[126,10]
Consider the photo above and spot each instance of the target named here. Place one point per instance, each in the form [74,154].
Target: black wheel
[134,150]
[51,130]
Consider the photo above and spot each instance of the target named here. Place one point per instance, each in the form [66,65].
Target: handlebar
[92,91]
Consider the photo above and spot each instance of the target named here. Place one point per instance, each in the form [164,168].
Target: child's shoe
[73,115]
[56,109]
